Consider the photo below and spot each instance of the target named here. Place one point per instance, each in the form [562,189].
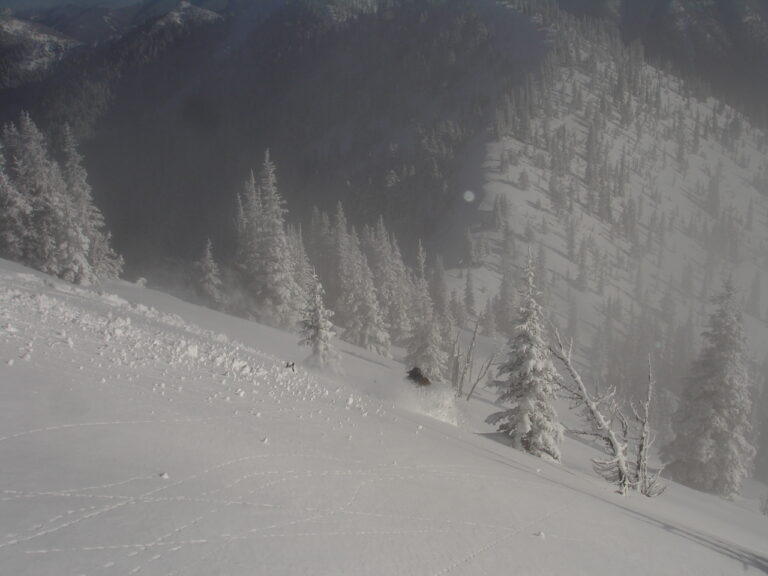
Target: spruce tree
[87,219]
[39,183]
[277,293]
[14,211]
[426,349]
[531,381]
[207,279]
[390,278]
[317,331]
[712,449]
[365,326]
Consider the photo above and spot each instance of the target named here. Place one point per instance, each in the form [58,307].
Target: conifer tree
[531,381]
[278,295]
[390,278]
[317,331]
[712,449]
[87,220]
[39,183]
[207,279]
[14,212]
[426,349]
[365,324]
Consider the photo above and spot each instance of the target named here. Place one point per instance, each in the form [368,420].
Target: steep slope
[724,42]
[374,110]
[146,435]
[637,195]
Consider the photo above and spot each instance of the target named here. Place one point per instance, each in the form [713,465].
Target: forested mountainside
[724,42]
[28,51]
[373,110]
[638,191]
[638,194]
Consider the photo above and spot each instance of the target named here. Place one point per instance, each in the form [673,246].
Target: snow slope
[141,434]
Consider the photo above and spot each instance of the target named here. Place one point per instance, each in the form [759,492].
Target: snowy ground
[141,434]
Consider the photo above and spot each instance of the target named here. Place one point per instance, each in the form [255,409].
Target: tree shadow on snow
[747,558]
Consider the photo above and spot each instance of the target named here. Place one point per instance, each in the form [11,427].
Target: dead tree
[601,411]
[463,366]
[647,483]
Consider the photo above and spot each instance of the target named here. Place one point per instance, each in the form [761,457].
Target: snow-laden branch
[615,468]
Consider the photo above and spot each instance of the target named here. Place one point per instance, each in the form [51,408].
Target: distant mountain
[28,51]
[366,106]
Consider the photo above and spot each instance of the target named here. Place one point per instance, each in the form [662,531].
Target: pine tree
[272,265]
[87,220]
[531,381]
[14,212]
[317,331]
[49,220]
[53,242]
[207,279]
[390,278]
[426,349]
[365,326]
[712,448]
[34,176]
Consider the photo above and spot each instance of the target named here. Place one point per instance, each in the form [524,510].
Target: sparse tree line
[589,172]
[48,219]
[301,277]
[713,443]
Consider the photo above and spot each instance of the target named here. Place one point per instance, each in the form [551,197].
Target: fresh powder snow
[143,435]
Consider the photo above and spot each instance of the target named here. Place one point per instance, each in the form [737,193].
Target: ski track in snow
[298,462]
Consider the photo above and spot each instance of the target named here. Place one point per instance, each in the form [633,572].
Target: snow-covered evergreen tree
[87,218]
[14,211]
[303,272]
[390,279]
[426,349]
[39,183]
[317,331]
[264,254]
[531,381]
[712,449]
[365,325]
[49,220]
[207,278]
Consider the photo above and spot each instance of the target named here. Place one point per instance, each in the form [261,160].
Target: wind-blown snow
[140,434]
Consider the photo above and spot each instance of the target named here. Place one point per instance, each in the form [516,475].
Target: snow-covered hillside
[28,50]
[186,15]
[141,434]
[637,193]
